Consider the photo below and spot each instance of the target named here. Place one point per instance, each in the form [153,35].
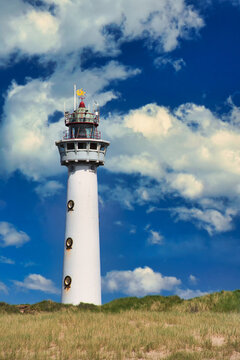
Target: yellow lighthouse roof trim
[81,93]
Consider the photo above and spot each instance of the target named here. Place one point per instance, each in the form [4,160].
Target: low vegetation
[153,327]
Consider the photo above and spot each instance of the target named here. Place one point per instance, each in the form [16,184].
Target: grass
[153,327]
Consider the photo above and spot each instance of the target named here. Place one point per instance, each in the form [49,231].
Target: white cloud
[51,33]
[155,238]
[49,188]
[162,61]
[189,151]
[3,288]
[27,29]
[40,31]
[189,294]
[5,260]
[192,279]
[211,220]
[119,194]
[9,236]
[186,184]
[139,282]
[37,282]
[150,121]
[31,146]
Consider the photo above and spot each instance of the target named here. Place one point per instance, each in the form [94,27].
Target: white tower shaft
[82,261]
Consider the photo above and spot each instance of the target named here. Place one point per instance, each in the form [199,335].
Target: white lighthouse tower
[82,150]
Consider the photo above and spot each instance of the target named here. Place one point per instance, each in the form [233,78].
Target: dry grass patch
[69,335]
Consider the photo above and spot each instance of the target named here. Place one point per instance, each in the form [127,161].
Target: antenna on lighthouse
[74,97]
[96,109]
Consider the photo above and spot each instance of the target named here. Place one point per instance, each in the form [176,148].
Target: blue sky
[166,75]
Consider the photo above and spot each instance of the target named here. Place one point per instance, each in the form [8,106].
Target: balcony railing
[92,135]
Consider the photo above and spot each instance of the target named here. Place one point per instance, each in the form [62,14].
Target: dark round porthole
[69,243]
[70,205]
[67,281]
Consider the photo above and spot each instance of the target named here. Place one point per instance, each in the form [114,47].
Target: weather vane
[81,93]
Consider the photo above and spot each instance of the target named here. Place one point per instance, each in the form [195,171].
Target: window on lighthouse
[70,146]
[81,146]
[93,146]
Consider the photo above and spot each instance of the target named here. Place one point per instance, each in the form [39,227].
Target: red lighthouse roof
[82,105]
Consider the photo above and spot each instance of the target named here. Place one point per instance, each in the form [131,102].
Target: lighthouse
[82,150]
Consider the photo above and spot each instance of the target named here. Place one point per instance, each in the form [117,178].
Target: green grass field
[153,327]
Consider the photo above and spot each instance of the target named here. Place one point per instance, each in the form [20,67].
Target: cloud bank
[27,112]
[53,29]
[189,152]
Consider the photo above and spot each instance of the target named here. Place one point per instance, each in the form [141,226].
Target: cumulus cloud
[3,288]
[138,282]
[5,260]
[49,188]
[9,236]
[27,109]
[155,238]
[211,220]
[49,30]
[37,282]
[188,151]
[26,29]
[150,121]
[189,294]
[186,184]
[39,30]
